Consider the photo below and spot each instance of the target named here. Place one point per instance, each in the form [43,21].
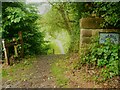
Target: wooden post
[21,42]
[15,47]
[5,52]
[53,51]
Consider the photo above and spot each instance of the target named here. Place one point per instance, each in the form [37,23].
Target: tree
[17,16]
[66,16]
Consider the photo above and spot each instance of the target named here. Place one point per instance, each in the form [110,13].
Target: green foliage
[109,11]
[66,17]
[58,69]
[105,56]
[11,73]
[18,16]
[68,14]
[59,74]
[55,29]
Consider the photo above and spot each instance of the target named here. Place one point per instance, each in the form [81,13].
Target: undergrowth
[10,72]
[58,73]
[104,57]
[61,68]
[58,68]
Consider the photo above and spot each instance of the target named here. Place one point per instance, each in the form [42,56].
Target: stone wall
[90,27]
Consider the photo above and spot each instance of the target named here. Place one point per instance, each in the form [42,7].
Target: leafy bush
[110,12]
[18,16]
[105,56]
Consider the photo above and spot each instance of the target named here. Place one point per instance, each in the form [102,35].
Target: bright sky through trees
[43,5]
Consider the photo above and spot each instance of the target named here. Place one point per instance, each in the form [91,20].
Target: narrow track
[37,77]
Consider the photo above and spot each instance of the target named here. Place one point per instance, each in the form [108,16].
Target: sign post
[114,37]
[5,52]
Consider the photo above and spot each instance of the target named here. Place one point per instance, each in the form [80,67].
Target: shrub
[105,56]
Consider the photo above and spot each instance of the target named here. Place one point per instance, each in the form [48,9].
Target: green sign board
[114,37]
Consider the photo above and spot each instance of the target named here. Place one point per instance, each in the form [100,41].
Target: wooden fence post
[15,47]
[53,51]
[21,41]
[5,52]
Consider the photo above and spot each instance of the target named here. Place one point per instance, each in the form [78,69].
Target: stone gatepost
[89,29]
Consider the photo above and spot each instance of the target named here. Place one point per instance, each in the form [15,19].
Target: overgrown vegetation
[67,16]
[61,67]
[64,17]
[18,16]
[61,23]
[59,72]
[104,56]
[10,73]
[109,11]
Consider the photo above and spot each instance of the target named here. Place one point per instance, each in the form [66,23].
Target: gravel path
[38,77]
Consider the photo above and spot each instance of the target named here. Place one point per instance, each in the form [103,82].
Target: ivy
[105,56]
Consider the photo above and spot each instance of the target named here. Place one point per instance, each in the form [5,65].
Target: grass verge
[58,70]
[61,67]
[18,70]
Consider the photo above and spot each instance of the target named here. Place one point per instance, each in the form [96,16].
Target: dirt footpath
[37,77]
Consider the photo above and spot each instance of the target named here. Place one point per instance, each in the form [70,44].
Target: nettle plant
[105,56]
